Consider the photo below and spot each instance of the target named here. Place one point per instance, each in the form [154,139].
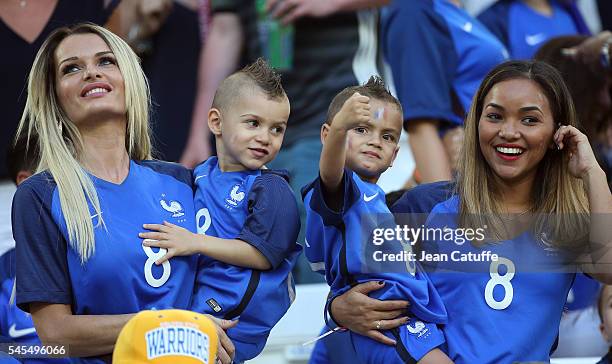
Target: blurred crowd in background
[433,55]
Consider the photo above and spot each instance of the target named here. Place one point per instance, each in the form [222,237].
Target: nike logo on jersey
[367,198]
[306,242]
[16,333]
[535,38]
[198,177]
[468,27]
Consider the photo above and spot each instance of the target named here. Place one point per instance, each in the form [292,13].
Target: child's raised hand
[175,239]
[354,112]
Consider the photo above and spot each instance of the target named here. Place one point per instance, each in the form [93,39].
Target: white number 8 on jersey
[152,256]
[504,281]
[148,267]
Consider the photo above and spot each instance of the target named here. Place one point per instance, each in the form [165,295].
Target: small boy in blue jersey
[360,141]
[247,217]
[16,326]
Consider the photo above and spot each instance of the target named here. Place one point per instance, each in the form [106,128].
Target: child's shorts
[414,340]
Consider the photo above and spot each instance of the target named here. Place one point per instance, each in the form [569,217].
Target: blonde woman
[82,270]
[524,162]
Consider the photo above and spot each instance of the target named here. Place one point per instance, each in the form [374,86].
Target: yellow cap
[167,336]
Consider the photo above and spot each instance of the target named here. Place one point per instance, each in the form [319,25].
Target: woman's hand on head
[581,157]
[225,349]
[359,313]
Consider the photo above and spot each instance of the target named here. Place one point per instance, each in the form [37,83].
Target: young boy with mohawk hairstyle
[247,218]
[344,205]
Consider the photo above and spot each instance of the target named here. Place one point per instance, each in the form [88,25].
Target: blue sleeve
[583,292]
[319,354]
[273,221]
[335,348]
[6,359]
[423,198]
[419,48]
[42,267]
[7,264]
[576,15]
[414,340]
[5,295]
[175,170]
[495,18]
[350,195]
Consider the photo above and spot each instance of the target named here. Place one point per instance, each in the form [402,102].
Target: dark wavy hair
[583,82]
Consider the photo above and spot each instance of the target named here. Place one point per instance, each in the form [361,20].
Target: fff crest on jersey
[418,329]
[173,207]
[235,196]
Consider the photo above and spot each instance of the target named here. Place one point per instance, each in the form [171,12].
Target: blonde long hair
[556,193]
[60,142]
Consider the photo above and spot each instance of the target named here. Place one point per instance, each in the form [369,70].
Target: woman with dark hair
[528,177]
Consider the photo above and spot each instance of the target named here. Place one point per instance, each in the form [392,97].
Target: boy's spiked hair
[375,88]
[265,77]
[258,73]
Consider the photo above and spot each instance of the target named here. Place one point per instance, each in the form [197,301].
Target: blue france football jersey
[340,245]
[258,207]
[120,277]
[524,30]
[498,311]
[439,54]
